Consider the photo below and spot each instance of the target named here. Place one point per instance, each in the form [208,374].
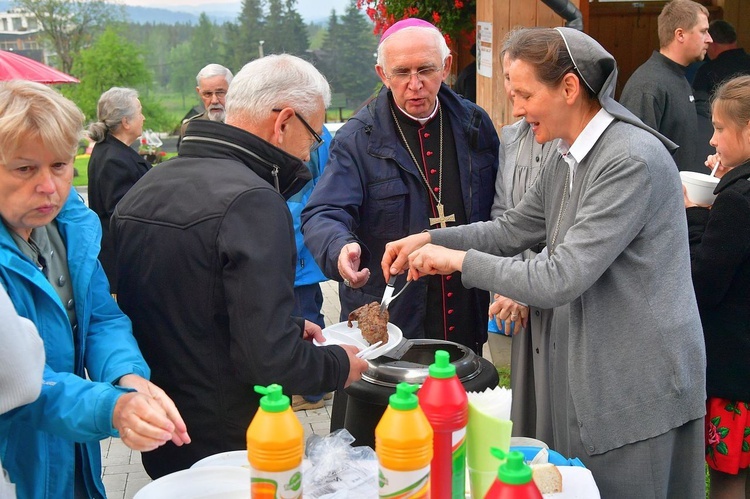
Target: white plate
[341,334]
[231,458]
[210,482]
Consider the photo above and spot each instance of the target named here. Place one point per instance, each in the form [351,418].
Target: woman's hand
[396,254]
[509,314]
[431,260]
[147,418]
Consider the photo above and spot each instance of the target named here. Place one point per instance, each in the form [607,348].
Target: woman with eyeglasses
[114,167]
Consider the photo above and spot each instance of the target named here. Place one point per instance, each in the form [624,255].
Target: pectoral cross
[441,218]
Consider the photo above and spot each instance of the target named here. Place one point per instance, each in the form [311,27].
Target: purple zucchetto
[411,22]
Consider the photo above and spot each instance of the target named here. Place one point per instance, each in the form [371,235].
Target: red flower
[713,436]
[455,18]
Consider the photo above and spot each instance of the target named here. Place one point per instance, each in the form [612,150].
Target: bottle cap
[442,368]
[273,400]
[404,398]
[513,471]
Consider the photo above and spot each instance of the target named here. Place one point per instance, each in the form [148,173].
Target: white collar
[421,121]
[588,136]
[585,141]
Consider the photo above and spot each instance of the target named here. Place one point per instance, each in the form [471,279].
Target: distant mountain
[182,15]
[229,9]
[315,12]
[218,13]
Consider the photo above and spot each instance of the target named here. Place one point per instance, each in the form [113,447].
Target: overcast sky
[308,9]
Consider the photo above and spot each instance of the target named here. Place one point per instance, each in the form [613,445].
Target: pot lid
[410,362]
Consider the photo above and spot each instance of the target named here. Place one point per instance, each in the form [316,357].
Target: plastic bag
[338,470]
[151,139]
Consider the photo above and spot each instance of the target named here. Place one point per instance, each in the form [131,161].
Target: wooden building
[626,29]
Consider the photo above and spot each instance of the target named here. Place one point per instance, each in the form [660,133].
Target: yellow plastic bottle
[275,446]
[403,443]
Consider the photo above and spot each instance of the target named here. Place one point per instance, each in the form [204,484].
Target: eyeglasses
[403,76]
[220,94]
[318,141]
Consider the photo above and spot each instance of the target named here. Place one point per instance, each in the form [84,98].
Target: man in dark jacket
[418,156]
[209,246]
[727,60]
[658,92]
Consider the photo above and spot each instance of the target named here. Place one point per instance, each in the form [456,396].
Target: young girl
[720,254]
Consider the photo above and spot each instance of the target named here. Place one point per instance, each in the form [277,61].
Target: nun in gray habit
[627,358]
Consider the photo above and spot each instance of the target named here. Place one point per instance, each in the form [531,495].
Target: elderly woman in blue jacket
[95,379]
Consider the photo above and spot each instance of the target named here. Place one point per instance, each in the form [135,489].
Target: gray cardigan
[637,358]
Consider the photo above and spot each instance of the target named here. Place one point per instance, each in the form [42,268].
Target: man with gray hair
[211,297]
[418,156]
[658,92]
[213,82]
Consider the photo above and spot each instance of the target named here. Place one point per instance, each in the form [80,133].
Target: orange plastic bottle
[275,446]
[403,443]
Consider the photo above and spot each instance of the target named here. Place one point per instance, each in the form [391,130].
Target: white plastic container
[700,187]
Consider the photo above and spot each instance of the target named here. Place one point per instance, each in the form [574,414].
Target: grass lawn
[81,165]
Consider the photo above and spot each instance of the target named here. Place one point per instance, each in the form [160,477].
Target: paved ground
[123,472]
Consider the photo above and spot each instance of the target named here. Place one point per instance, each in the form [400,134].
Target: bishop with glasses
[417,157]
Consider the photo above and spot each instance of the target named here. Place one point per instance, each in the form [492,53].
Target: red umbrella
[18,67]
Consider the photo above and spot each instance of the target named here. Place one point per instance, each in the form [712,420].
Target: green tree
[205,43]
[112,61]
[348,61]
[297,40]
[328,61]
[284,30]
[70,25]
[316,33]
[244,39]
[182,70]
[273,28]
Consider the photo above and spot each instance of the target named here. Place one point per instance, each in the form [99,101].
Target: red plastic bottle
[443,400]
[514,479]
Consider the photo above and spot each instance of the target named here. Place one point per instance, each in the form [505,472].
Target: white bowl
[700,187]
[209,482]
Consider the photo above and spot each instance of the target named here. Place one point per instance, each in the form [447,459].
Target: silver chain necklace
[441,218]
[563,208]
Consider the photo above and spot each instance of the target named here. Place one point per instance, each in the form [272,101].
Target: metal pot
[409,361]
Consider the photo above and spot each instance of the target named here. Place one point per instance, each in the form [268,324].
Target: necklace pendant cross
[441,218]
